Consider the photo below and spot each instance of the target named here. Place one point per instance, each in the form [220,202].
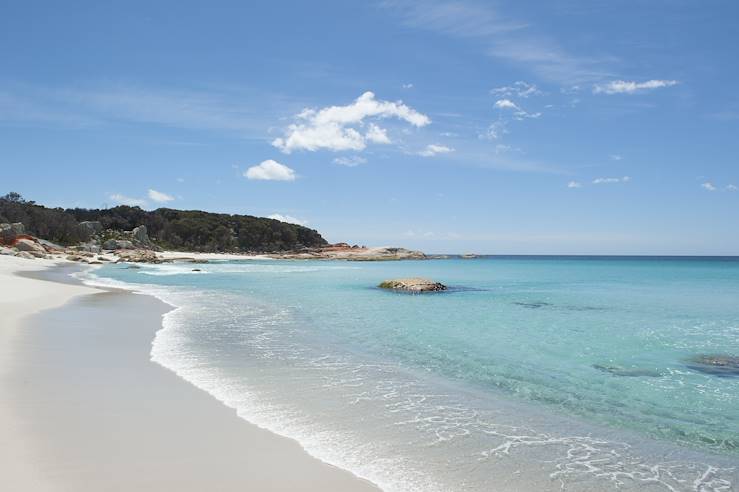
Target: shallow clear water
[530,374]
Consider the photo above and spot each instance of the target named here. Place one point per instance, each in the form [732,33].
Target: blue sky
[580,127]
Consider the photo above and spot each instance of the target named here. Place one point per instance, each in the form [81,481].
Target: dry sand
[82,407]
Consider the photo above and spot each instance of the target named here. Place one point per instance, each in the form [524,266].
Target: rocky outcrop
[114,244]
[139,256]
[29,246]
[90,247]
[716,365]
[343,251]
[91,227]
[137,238]
[49,246]
[413,285]
[140,234]
[9,232]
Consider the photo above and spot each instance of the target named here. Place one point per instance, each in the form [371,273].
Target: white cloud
[434,149]
[180,180]
[289,219]
[624,179]
[407,86]
[127,200]
[329,128]
[574,184]
[505,104]
[708,186]
[615,157]
[270,170]
[518,89]
[350,161]
[631,87]
[518,112]
[159,197]
[731,187]
[377,135]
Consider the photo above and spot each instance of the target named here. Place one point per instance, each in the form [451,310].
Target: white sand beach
[84,409]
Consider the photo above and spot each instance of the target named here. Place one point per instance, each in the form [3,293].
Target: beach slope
[84,408]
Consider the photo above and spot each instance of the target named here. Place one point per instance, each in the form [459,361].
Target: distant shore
[84,408]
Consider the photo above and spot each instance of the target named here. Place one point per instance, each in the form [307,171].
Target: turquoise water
[529,374]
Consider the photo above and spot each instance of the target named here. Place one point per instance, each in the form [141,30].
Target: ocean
[529,373]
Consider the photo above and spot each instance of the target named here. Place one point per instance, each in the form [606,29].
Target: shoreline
[100,415]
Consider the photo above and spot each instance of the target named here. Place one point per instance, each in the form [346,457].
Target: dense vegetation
[190,230]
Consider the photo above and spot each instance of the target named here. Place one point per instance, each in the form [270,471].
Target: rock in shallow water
[717,365]
[413,285]
[633,372]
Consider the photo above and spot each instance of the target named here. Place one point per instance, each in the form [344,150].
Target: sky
[509,127]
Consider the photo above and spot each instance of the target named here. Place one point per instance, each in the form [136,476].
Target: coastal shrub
[191,230]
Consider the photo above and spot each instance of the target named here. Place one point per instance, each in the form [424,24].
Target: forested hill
[187,230]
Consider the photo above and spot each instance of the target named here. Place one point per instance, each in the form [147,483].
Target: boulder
[413,285]
[139,256]
[26,255]
[90,247]
[114,244]
[716,365]
[7,251]
[7,234]
[30,246]
[91,227]
[140,234]
[49,246]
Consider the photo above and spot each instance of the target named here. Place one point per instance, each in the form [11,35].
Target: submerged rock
[532,305]
[413,285]
[628,371]
[718,365]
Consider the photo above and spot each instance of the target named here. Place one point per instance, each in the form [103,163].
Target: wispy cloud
[708,186]
[120,199]
[289,219]
[407,86]
[270,170]
[435,149]
[500,37]
[518,89]
[339,128]
[350,161]
[574,184]
[631,87]
[731,187]
[615,157]
[159,196]
[624,179]
[518,112]
[495,131]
